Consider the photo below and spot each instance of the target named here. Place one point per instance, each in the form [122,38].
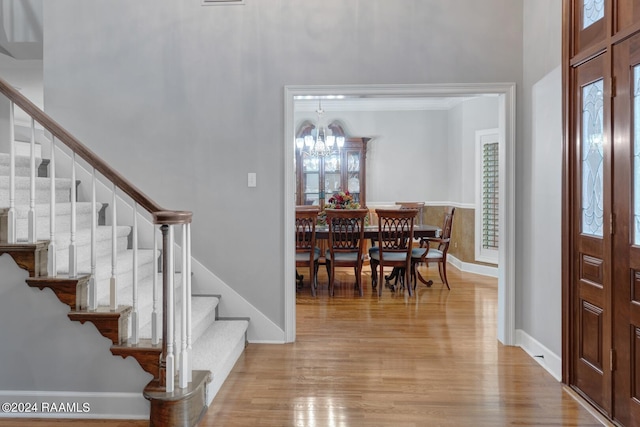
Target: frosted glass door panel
[636,154]
[592,159]
[593,11]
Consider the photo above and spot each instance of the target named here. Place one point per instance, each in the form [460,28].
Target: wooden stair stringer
[73,291]
[111,324]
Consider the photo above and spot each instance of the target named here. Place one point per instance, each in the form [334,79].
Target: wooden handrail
[174,217]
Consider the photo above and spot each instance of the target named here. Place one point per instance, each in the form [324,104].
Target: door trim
[507,123]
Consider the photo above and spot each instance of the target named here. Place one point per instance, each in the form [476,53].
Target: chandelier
[318,140]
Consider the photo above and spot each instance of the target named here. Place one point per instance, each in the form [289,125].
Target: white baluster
[188,276]
[169,308]
[93,286]
[32,186]
[154,314]
[183,381]
[52,268]
[11,232]
[134,311]
[73,254]
[114,255]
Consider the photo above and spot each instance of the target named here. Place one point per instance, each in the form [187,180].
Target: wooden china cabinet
[319,177]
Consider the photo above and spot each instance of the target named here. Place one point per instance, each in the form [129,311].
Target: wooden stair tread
[23,246]
[103,312]
[144,344]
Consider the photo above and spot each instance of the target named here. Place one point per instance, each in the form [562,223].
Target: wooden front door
[591,338]
[626,232]
[601,220]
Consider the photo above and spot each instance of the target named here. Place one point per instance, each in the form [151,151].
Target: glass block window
[636,154]
[490,175]
[592,159]
[593,10]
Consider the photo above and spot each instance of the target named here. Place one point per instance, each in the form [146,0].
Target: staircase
[216,343]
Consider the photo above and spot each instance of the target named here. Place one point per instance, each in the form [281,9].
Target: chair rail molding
[506,93]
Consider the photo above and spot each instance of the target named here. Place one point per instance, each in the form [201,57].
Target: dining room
[416,149]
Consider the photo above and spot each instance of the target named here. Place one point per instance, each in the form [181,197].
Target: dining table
[371,231]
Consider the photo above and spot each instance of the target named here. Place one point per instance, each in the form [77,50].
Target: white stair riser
[84,254]
[23,149]
[63,224]
[43,191]
[22,164]
[202,317]
[20,170]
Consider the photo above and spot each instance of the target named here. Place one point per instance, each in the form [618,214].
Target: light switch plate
[251,179]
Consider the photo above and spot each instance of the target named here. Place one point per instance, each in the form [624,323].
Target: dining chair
[438,253]
[397,272]
[346,243]
[307,253]
[395,241]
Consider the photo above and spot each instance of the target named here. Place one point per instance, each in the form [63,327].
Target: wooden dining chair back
[346,243]
[393,247]
[434,249]
[414,205]
[307,253]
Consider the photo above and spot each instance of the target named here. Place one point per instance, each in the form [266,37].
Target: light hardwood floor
[429,360]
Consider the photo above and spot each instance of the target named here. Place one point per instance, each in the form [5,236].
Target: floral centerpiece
[339,200]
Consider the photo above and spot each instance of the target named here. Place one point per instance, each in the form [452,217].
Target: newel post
[168,365]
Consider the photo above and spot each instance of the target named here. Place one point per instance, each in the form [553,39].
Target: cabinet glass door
[311,180]
[353,174]
[332,175]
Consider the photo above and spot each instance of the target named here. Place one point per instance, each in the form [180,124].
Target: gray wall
[406,154]
[539,168]
[465,119]
[185,100]
[423,155]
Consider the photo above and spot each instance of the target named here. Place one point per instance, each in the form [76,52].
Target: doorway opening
[506,120]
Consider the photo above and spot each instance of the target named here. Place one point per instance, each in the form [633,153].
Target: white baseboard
[484,270]
[550,361]
[78,405]
[261,330]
